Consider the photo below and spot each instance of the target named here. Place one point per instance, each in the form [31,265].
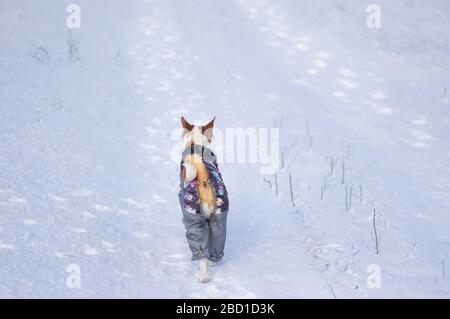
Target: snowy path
[261,259]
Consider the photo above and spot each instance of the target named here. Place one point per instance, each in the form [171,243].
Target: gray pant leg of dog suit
[217,236]
[206,238]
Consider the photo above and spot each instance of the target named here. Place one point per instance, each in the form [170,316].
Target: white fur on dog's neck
[191,172]
[195,136]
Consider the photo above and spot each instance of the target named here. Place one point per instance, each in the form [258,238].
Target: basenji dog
[203,197]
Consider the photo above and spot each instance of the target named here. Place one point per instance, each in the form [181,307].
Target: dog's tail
[193,167]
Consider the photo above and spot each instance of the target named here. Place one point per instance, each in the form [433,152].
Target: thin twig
[324,187]
[344,169]
[276,184]
[375,230]
[268,182]
[292,193]
[348,197]
[332,291]
[285,153]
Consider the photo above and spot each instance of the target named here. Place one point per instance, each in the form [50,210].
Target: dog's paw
[204,279]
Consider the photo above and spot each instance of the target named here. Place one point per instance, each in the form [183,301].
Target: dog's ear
[208,129]
[186,125]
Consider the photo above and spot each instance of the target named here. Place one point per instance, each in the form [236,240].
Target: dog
[203,197]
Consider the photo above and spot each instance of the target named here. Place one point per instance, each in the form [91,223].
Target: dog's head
[194,134]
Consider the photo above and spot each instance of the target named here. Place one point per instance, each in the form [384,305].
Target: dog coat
[206,237]
[189,191]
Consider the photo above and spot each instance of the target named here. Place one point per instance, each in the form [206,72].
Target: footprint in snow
[378,94]
[87,215]
[155,159]
[15,200]
[5,191]
[273,278]
[148,147]
[123,212]
[157,199]
[102,208]
[312,71]
[79,230]
[156,121]
[177,256]
[346,72]
[63,255]
[108,246]
[82,193]
[323,55]
[89,250]
[29,222]
[122,274]
[151,131]
[6,247]
[320,64]
[57,199]
[350,85]
[419,120]
[141,234]
[135,203]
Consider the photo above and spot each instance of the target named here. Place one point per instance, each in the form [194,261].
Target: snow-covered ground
[86,176]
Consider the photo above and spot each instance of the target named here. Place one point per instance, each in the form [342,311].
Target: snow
[87,178]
